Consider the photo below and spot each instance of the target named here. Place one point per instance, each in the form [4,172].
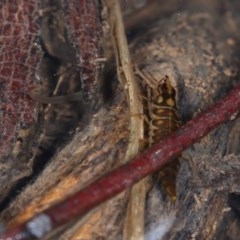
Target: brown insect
[163,119]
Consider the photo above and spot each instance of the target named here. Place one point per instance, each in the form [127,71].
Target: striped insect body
[163,119]
[163,111]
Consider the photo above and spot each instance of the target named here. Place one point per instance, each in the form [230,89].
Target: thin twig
[126,76]
[125,176]
[134,222]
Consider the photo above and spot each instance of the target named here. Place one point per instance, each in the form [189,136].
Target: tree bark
[202,61]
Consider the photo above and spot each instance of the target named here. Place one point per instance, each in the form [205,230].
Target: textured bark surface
[201,59]
[85,32]
[202,62]
[19,57]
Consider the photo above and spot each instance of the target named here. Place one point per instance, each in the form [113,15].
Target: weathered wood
[200,61]
[203,59]
[20,55]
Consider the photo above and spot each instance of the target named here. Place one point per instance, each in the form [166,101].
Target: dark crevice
[60,120]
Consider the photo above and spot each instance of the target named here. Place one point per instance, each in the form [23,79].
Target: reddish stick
[125,176]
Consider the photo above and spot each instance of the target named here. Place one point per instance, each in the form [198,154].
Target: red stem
[147,163]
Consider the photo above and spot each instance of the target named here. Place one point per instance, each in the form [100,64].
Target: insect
[163,119]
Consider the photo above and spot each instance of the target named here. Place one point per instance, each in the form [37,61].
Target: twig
[125,176]
[150,11]
[134,222]
[126,76]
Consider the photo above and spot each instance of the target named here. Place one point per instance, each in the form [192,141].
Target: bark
[202,60]
[20,55]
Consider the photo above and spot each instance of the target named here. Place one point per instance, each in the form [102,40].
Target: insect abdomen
[163,123]
[164,119]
